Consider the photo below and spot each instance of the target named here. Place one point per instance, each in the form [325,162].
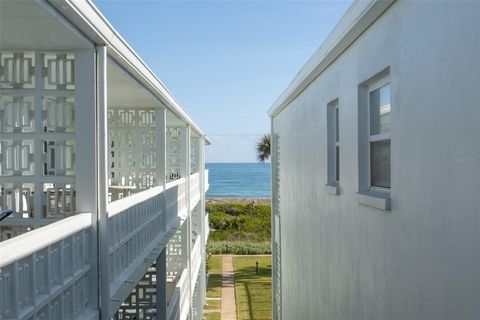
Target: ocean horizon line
[242,180]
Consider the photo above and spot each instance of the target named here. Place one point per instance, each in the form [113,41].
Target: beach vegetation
[239,227]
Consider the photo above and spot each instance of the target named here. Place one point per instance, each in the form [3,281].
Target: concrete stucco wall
[421,260]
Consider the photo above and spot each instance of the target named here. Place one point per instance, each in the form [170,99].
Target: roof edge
[354,22]
[85,16]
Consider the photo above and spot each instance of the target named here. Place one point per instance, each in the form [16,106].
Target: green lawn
[214,289]
[212,316]
[253,293]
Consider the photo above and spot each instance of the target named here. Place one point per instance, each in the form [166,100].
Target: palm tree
[263,148]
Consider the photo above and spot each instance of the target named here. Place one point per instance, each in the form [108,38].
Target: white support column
[161,275]
[201,168]
[102,125]
[189,220]
[161,156]
[38,213]
[160,133]
[85,144]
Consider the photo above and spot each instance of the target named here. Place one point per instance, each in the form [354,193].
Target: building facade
[104,170]
[376,168]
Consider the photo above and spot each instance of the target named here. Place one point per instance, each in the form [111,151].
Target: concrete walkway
[229,308]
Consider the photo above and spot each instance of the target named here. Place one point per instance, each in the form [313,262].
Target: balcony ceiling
[28,25]
[123,90]
[173,120]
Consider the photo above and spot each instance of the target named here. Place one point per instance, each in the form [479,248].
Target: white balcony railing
[182,285]
[194,190]
[206,181]
[136,226]
[176,201]
[45,273]
[207,228]
[196,262]
[178,306]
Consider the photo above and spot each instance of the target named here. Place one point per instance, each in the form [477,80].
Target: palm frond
[263,148]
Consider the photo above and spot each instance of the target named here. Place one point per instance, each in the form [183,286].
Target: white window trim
[332,185]
[368,195]
[376,137]
[337,142]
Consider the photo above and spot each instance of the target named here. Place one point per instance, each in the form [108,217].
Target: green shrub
[239,227]
[239,247]
[232,221]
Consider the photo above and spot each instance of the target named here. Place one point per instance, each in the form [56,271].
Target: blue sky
[225,61]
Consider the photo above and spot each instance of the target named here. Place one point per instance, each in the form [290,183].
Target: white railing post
[86,141]
[161,156]
[102,196]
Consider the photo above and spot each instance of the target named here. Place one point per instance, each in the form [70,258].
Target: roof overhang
[355,21]
[88,19]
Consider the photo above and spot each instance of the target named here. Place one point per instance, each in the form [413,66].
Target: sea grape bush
[239,247]
[239,227]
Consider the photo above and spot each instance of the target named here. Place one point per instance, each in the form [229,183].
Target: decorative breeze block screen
[174,138]
[194,155]
[37,136]
[142,302]
[132,143]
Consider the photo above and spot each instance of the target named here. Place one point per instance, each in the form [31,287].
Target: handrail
[183,286]
[206,180]
[174,183]
[195,174]
[121,205]
[195,180]
[207,227]
[196,263]
[26,244]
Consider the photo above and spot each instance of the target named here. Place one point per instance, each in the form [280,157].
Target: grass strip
[214,288]
[253,292]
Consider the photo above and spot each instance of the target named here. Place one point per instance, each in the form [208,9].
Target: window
[333,144]
[380,123]
[374,127]
[337,146]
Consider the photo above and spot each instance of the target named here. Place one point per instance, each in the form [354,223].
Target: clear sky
[225,61]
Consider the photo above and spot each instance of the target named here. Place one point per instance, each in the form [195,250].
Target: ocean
[239,180]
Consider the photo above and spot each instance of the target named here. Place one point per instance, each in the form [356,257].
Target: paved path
[229,309]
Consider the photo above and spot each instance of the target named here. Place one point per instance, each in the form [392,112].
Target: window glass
[380,163]
[337,169]
[336,125]
[380,110]
[333,143]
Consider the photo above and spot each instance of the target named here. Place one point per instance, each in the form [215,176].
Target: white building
[376,168]
[104,170]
